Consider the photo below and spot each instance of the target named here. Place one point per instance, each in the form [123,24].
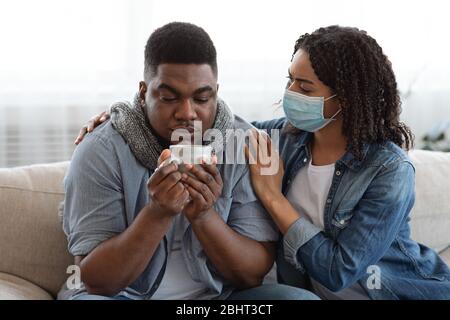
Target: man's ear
[142,90]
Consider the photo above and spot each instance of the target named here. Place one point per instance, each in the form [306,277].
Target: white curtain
[63,61]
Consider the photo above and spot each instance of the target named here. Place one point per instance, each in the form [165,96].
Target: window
[63,61]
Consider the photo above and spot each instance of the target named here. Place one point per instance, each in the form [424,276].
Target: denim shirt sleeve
[94,203]
[270,124]
[299,233]
[376,221]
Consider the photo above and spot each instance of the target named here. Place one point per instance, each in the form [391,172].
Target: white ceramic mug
[190,154]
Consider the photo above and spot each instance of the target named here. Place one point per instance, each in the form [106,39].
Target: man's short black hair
[179,42]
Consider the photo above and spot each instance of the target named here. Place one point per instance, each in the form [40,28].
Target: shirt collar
[348,159]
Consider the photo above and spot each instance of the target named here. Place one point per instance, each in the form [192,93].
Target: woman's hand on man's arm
[94,122]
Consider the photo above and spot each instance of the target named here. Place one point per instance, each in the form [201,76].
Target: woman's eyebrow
[299,79]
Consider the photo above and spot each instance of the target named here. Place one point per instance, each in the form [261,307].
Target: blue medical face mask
[304,112]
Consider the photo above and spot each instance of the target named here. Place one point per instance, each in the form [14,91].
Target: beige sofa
[33,248]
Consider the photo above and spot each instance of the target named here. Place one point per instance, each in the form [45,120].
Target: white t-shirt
[308,194]
[309,191]
[177,283]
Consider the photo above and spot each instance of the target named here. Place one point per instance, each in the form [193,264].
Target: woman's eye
[303,89]
[289,82]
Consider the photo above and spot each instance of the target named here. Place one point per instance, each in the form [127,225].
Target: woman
[343,200]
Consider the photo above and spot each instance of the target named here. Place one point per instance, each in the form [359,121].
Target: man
[141,229]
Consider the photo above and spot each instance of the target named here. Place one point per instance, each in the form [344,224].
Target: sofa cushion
[430,222]
[445,255]
[15,288]
[32,244]
[34,248]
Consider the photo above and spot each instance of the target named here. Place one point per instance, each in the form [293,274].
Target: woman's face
[302,79]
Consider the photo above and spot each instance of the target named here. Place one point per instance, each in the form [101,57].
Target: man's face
[179,94]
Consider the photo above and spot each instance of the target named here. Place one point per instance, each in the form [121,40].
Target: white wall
[87,53]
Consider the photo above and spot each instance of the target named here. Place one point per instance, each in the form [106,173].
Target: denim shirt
[367,235]
[106,187]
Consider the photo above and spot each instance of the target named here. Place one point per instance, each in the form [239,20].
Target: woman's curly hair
[354,66]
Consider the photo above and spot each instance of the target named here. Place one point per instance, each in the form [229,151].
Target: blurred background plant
[438,137]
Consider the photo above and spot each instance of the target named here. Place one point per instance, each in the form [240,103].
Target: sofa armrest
[15,288]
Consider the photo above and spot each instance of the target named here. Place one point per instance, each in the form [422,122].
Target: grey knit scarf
[130,120]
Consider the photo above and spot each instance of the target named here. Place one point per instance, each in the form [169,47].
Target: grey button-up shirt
[106,187]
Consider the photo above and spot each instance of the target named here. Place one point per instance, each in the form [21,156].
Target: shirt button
[342,221]
[328,200]
[338,173]
[306,159]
